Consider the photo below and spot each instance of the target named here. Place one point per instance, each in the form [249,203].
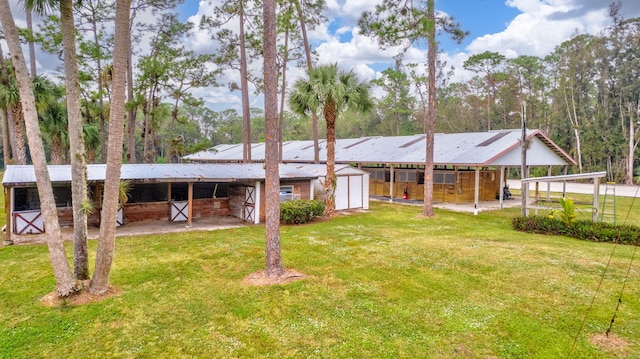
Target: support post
[391,180]
[549,185]
[502,185]
[476,191]
[189,203]
[596,198]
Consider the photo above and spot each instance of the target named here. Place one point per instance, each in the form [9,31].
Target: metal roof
[15,175]
[491,148]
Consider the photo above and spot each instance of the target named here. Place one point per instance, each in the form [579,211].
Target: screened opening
[148,192]
[27,199]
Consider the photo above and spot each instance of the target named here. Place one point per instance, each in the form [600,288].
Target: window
[402,176]
[286,193]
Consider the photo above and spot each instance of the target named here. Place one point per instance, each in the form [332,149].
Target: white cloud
[542,26]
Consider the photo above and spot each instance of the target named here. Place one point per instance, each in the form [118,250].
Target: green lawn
[381,284]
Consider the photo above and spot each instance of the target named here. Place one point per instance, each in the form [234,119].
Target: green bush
[300,211]
[585,230]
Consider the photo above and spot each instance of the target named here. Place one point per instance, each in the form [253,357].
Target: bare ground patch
[82,297]
[610,343]
[260,278]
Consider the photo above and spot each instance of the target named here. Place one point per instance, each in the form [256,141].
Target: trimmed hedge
[300,211]
[585,230]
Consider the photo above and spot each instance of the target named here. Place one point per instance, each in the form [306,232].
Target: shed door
[250,204]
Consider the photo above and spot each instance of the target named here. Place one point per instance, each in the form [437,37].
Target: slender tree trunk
[76,143]
[573,117]
[244,89]
[131,114]
[32,46]
[4,116]
[283,93]
[6,148]
[330,114]
[65,283]
[106,244]
[427,209]
[272,176]
[307,52]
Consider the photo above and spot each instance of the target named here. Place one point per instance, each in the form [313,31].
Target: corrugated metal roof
[15,175]
[472,149]
[320,170]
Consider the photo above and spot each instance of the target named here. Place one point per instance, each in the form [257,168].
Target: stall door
[250,204]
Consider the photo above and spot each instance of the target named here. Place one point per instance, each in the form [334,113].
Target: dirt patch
[79,298]
[610,343]
[260,278]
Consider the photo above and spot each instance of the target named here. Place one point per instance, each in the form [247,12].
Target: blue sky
[510,27]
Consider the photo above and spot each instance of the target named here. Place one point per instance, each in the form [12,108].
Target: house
[166,192]
[468,167]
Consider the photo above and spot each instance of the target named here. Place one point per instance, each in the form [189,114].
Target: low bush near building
[300,211]
[585,230]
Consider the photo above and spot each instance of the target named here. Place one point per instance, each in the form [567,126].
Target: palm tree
[10,100]
[65,283]
[53,124]
[106,245]
[331,91]
[74,123]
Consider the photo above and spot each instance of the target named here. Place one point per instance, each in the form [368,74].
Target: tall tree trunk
[76,142]
[106,244]
[283,93]
[307,52]
[131,114]
[18,144]
[4,115]
[573,117]
[272,176]
[330,114]
[427,209]
[244,89]
[32,46]
[65,283]
[6,148]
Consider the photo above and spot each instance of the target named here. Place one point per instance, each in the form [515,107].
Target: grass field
[381,284]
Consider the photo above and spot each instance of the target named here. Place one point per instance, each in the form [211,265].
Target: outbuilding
[165,192]
[468,167]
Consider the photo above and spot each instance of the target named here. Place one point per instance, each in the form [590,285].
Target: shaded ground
[144,228]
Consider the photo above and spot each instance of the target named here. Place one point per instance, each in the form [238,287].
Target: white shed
[352,185]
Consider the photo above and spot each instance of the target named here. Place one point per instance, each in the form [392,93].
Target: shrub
[585,230]
[539,224]
[300,211]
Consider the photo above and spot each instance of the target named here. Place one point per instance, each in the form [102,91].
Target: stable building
[164,192]
[468,167]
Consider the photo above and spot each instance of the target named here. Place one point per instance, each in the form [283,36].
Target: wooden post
[596,197]
[391,180]
[502,185]
[8,205]
[189,203]
[549,184]
[476,189]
